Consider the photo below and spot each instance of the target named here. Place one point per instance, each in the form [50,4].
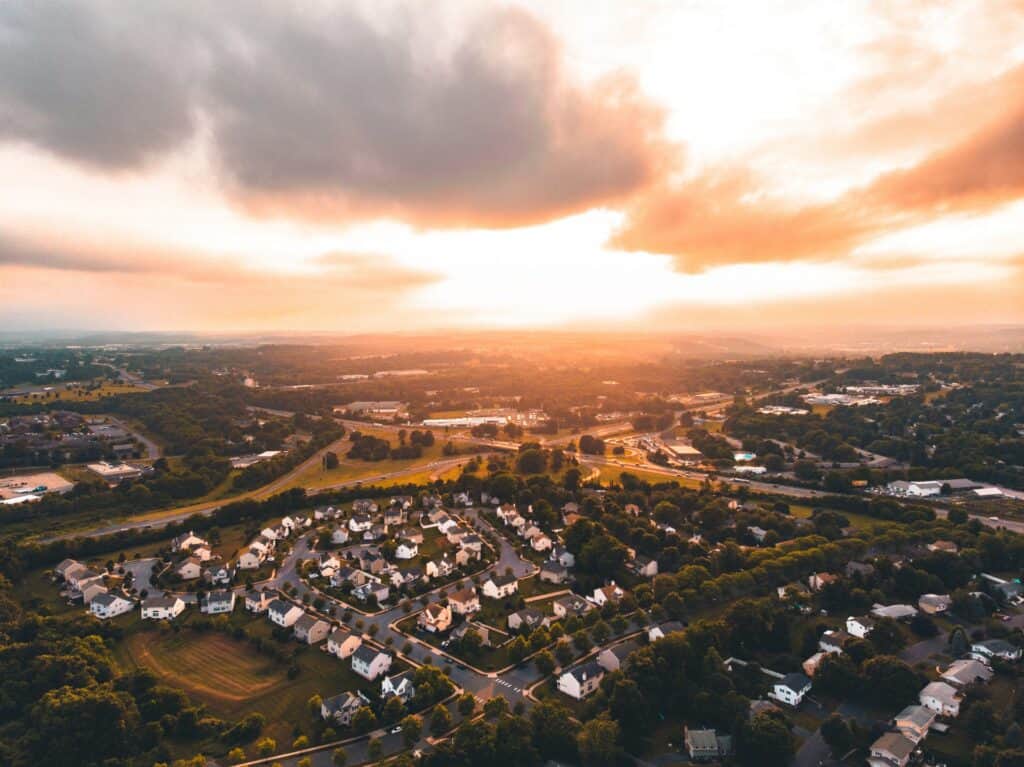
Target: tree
[338,757]
[314,704]
[531,461]
[766,741]
[958,642]
[598,743]
[467,704]
[886,636]
[374,748]
[412,730]
[545,662]
[266,746]
[806,470]
[331,460]
[393,710]
[836,733]
[236,755]
[364,720]
[495,708]
[440,720]
[554,733]
[304,762]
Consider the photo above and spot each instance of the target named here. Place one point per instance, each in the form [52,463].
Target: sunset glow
[392,166]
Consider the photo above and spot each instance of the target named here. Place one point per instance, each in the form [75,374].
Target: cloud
[723,217]
[367,273]
[439,119]
[727,216]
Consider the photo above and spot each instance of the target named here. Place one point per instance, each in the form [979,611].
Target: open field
[58,393]
[232,679]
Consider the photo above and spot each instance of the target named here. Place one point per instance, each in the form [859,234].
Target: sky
[404,166]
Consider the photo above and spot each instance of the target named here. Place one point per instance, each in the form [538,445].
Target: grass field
[232,679]
[77,394]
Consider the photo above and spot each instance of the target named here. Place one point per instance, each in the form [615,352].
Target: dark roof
[586,671]
[365,654]
[795,681]
[502,580]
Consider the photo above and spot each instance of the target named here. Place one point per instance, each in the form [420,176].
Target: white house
[996,648]
[398,686]
[217,602]
[540,542]
[964,672]
[360,523]
[613,658]
[369,662]
[343,643]
[791,689]
[107,606]
[189,569]
[500,586]
[339,535]
[162,608]
[187,541]
[251,559]
[283,613]
[406,550]
[606,594]
[941,698]
[580,681]
[859,627]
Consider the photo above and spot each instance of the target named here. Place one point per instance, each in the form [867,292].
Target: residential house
[473,543]
[833,641]
[217,602]
[252,558]
[581,681]
[310,629]
[203,553]
[996,648]
[540,542]
[360,523]
[257,601]
[92,590]
[859,627]
[569,605]
[945,546]
[284,613]
[189,568]
[398,686]
[645,567]
[187,541]
[613,658]
[464,602]
[553,572]
[896,612]
[810,666]
[863,569]
[219,576]
[105,606]
[757,533]
[941,698]
[446,524]
[464,556]
[162,608]
[375,533]
[365,505]
[818,581]
[500,586]
[606,594]
[934,604]
[406,550]
[455,534]
[339,535]
[913,722]
[701,745]
[341,708]
[654,633]
[563,556]
[411,534]
[435,618]
[525,620]
[394,515]
[791,689]
[343,643]
[379,591]
[891,750]
[79,578]
[66,566]
[439,568]
[369,662]
[964,672]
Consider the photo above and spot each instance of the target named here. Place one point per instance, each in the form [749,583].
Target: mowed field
[212,667]
[232,679]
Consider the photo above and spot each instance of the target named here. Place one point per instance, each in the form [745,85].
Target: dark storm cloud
[329,114]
